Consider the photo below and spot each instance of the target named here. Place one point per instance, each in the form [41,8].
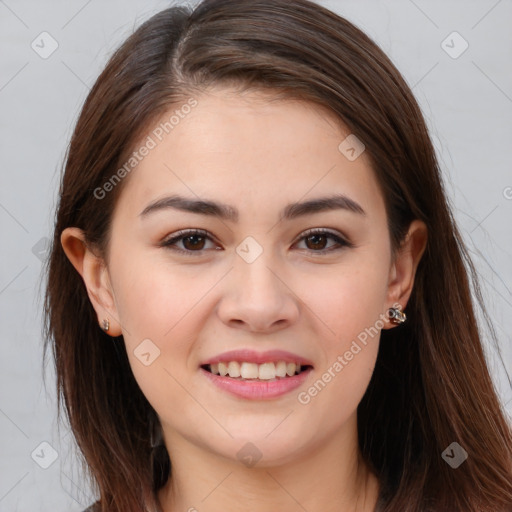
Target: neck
[329,477]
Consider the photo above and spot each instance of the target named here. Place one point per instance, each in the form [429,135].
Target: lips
[252,356]
[257,375]
[256,389]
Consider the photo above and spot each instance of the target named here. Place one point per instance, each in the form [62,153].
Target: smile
[253,381]
[253,371]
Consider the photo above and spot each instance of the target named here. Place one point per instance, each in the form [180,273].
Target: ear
[95,275]
[403,268]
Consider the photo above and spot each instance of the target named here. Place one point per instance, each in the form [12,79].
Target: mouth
[246,371]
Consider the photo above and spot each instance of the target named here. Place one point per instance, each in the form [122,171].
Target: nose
[258,297]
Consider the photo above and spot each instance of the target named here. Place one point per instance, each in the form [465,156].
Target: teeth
[223,369]
[267,371]
[290,369]
[245,370]
[234,369]
[249,370]
[281,369]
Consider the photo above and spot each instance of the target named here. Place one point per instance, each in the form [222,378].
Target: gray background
[467,101]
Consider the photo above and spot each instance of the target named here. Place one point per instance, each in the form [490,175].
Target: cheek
[347,299]
[153,295]
[350,305]
[155,309]
[164,304]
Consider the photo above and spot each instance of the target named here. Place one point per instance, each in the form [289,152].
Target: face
[267,271]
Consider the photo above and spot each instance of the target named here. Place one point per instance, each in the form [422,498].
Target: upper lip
[252,356]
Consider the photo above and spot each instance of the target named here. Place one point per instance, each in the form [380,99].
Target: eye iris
[198,242]
[317,239]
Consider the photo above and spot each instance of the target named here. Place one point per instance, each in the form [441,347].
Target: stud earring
[396,315]
[105,324]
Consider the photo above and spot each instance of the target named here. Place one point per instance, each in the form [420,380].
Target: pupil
[317,240]
[195,244]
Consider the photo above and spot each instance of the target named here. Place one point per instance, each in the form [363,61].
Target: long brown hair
[431,386]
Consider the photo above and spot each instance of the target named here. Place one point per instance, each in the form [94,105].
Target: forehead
[246,148]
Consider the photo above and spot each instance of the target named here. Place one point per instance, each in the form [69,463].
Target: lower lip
[258,390]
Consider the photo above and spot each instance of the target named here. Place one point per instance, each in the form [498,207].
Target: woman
[256,292]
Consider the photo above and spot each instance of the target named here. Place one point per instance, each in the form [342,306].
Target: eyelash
[170,242]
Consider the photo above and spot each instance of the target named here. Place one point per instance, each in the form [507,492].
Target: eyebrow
[229,213]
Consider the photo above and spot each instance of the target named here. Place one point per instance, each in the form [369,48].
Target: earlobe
[403,268]
[94,273]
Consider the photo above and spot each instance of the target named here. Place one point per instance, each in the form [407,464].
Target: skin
[257,156]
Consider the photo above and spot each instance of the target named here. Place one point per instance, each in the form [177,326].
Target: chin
[255,447]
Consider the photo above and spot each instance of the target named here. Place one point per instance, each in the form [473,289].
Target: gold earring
[105,324]
[396,315]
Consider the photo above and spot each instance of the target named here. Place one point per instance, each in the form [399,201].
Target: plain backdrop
[466,96]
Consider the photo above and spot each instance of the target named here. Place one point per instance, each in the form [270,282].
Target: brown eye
[190,242]
[321,241]
[316,241]
[193,242]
